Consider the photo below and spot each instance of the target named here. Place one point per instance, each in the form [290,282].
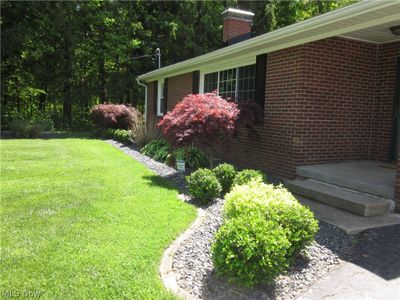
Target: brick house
[329,89]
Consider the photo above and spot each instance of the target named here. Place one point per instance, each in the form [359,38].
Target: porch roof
[368,20]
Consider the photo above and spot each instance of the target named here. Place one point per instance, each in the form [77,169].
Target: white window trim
[160,95]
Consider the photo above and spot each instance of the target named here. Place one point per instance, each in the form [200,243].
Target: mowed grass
[82,220]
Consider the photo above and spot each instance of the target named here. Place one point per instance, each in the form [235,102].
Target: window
[246,83]
[227,84]
[237,84]
[160,98]
[210,82]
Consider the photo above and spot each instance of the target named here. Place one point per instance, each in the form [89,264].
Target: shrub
[19,128]
[250,250]
[143,133]
[117,116]
[274,204]
[225,174]
[193,157]
[157,149]
[247,175]
[250,114]
[26,128]
[203,185]
[204,120]
[122,136]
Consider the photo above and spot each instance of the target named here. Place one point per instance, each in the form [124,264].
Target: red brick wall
[383,106]
[273,149]
[326,101]
[150,99]
[234,28]
[178,87]
[320,106]
[335,101]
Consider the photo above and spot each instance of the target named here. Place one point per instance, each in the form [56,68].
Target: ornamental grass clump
[203,185]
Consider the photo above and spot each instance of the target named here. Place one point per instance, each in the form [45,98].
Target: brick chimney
[237,25]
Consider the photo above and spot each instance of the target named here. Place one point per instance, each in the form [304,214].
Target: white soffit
[377,34]
[354,21]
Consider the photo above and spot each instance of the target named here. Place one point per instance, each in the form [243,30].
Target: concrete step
[365,177]
[359,203]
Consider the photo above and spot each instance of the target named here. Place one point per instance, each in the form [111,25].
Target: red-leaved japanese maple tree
[204,120]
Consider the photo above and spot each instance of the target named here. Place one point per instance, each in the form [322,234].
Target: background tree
[60,58]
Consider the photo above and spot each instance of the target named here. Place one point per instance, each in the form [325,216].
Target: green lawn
[80,219]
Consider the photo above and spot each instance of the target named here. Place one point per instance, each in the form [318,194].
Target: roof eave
[251,44]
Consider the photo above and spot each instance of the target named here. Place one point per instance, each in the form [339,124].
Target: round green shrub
[250,250]
[247,175]
[225,174]
[275,204]
[203,185]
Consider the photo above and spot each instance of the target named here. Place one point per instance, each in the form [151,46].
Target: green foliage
[193,157]
[275,204]
[250,250]
[157,149]
[247,175]
[225,174]
[122,136]
[27,129]
[143,133]
[203,185]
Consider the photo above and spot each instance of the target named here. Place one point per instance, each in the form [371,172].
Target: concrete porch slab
[348,222]
[364,176]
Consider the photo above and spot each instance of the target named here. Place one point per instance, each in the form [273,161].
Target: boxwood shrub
[122,136]
[225,174]
[247,175]
[250,250]
[203,185]
[274,204]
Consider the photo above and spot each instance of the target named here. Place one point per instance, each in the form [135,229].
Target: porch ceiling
[377,34]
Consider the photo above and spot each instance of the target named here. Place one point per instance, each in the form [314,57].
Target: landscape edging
[167,273]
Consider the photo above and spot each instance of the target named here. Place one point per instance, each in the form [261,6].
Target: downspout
[145,98]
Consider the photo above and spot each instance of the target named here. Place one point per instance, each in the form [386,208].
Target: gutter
[145,98]
[256,44]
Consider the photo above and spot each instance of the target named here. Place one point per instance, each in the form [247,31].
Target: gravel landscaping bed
[193,266]
[192,262]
